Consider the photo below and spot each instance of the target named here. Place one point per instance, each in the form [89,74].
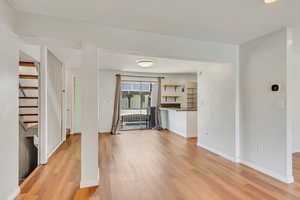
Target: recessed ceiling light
[144,62]
[270,1]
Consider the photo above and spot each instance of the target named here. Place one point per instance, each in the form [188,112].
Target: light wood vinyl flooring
[153,165]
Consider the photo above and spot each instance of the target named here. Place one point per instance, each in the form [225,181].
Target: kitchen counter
[180,121]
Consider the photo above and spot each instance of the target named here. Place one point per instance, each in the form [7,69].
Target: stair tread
[28,97]
[27,64]
[28,88]
[28,106]
[30,122]
[28,114]
[28,76]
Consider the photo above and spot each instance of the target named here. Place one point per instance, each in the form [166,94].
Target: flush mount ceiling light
[270,1]
[143,62]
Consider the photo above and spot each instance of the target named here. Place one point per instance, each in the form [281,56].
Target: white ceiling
[123,62]
[110,60]
[232,21]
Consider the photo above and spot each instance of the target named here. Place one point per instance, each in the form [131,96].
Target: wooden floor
[152,165]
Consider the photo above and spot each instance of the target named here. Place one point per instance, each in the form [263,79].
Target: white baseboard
[268,172]
[52,152]
[76,133]
[90,183]
[232,159]
[14,194]
[178,133]
[271,173]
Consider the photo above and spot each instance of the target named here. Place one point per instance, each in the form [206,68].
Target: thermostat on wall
[275,87]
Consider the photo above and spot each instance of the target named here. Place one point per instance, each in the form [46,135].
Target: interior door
[54,102]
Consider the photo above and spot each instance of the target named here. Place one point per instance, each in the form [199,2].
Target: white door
[54,102]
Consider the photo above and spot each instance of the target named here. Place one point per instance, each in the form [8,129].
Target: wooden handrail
[22,125]
[22,90]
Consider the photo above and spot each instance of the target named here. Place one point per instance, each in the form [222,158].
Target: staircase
[28,118]
[28,94]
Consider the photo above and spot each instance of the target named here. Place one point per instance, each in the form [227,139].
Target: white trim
[179,134]
[271,173]
[296,151]
[285,179]
[237,107]
[14,194]
[43,125]
[76,133]
[105,131]
[230,158]
[289,108]
[39,111]
[90,183]
[52,152]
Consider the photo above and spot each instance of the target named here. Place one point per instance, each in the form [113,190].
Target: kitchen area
[179,105]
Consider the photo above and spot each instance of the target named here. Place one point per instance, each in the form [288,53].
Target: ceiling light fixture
[270,1]
[144,62]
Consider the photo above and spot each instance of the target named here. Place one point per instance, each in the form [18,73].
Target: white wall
[33,50]
[263,133]
[183,123]
[7,15]
[9,143]
[216,110]
[177,122]
[192,124]
[107,81]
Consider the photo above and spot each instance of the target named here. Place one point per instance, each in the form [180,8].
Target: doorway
[76,111]
[137,105]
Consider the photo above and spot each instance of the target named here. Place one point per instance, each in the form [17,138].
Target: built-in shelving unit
[171,93]
[175,86]
[191,96]
[179,93]
[172,97]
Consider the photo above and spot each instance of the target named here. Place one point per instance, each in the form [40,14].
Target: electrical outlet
[205,133]
[259,148]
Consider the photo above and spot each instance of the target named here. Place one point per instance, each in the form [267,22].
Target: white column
[9,121]
[89,105]
[43,125]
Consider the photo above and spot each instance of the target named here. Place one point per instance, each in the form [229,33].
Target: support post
[89,121]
